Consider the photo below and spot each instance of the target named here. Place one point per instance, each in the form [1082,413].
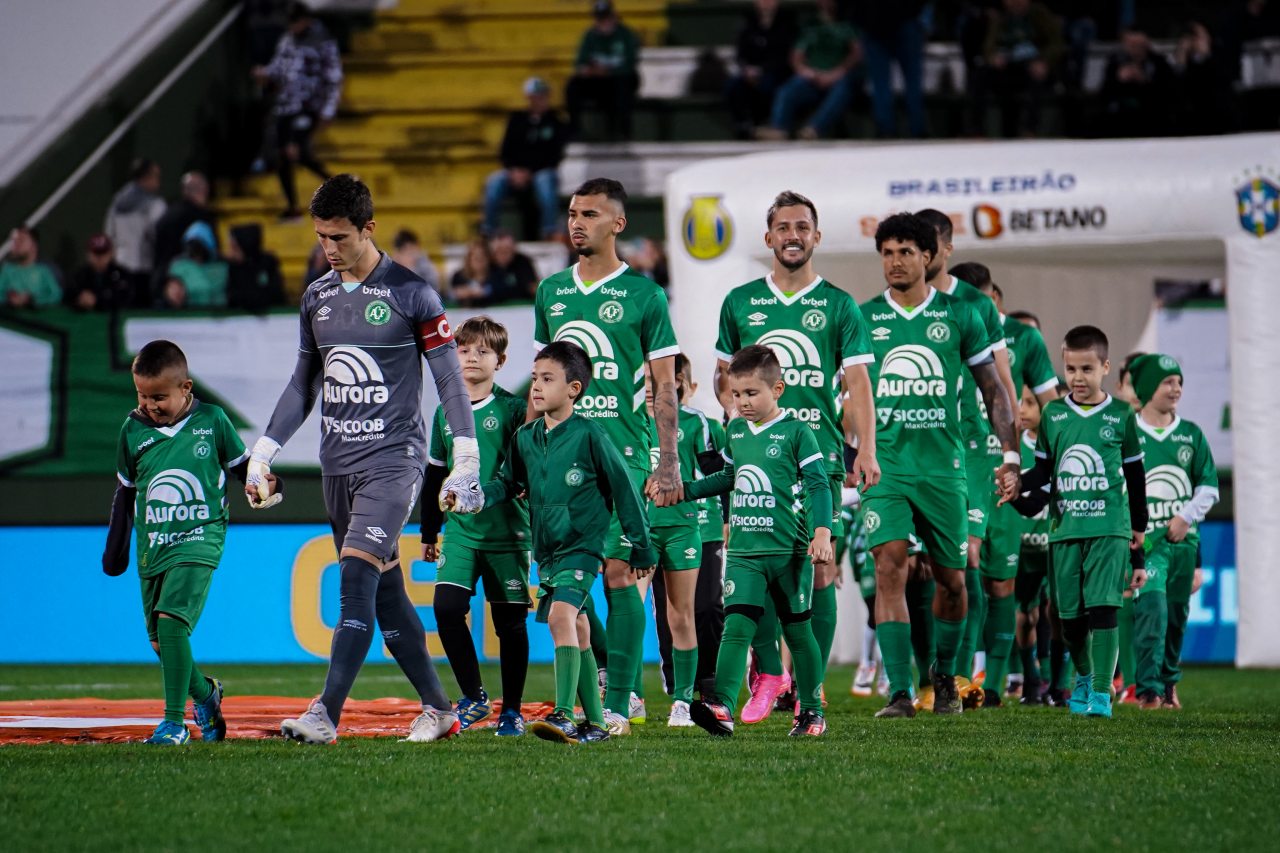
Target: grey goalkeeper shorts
[368,509]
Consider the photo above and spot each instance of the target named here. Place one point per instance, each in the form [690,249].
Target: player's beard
[586,251]
[792,266]
[931,272]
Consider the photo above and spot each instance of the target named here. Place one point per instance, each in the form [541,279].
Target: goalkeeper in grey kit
[365,327]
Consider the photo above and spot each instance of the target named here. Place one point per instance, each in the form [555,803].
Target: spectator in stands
[893,32]
[254,282]
[1024,46]
[306,72]
[408,253]
[192,207]
[101,284]
[131,225]
[512,275]
[317,265]
[646,257]
[469,286]
[605,72]
[1137,88]
[532,149]
[1205,95]
[196,279]
[764,63]
[25,280]
[824,60]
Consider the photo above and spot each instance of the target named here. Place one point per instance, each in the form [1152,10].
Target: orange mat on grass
[248,717]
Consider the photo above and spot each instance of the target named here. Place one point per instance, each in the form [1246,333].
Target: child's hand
[430,550]
[1135,544]
[643,571]
[1008,483]
[1197,580]
[1138,580]
[1178,529]
[448,501]
[273,493]
[820,548]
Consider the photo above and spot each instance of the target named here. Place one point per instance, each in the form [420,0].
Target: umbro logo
[323,313]
[691,552]
[757,318]
[558,309]
[377,534]
[880,333]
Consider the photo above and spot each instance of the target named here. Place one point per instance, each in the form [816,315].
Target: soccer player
[365,326]
[924,340]
[998,557]
[492,545]
[982,450]
[620,319]
[576,481]
[173,455]
[1087,455]
[1182,486]
[779,529]
[864,575]
[821,341]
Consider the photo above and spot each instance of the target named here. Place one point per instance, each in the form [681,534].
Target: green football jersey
[504,527]
[691,439]
[1179,463]
[711,510]
[816,333]
[1029,360]
[922,355]
[975,428]
[621,321]
[1087,450]
[1035,531]
[773,468]
[180,514]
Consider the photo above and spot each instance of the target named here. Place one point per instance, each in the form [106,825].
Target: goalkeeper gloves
[463,482]
[264,452]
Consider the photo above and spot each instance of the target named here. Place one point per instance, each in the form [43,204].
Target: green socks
[1104,649]
[175,665]
[824,623]
[731,662]
[808,664]
[767,642]
[599,638]
[1002,617]
[625,630]
[567,669]
[949,643]
[895,651]
[1128,659]
[685,664]
[588,687]
[1150,629]
[972,626]
[920,607]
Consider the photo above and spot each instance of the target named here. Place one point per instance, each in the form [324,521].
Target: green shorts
[1171,567]
[616,545]
[505,573]
[933,509]
[980,484]
[1002,545]
[785,579]
[180,591]
[571,585]
[679,548]
[1088,573]
[1029,585]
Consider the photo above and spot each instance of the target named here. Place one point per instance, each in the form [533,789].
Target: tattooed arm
[666,407]
[1000,412]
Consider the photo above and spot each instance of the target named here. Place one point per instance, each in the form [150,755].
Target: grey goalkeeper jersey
[360,353]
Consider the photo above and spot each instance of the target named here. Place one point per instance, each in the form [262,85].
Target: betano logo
[1168,490]
[181,497]
[595,343]
[796,352]
[353,370]
[1082,469]
[911,369]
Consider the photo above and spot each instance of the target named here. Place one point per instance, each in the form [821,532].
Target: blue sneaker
[1079,701]
[510,724]
[1099,705]
[472,711]
[208,714]
[169,734]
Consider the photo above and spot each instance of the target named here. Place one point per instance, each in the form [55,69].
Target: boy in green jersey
[780,526]
[1182,486]
[492,545]
[924,342]
[172,464]
[575,481]
[1087,455]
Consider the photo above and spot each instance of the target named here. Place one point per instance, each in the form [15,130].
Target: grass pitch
[1205,778]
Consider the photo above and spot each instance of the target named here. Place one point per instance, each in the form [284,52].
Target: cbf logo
[177,495]
[1258,204]
[707,228]
[1082,469]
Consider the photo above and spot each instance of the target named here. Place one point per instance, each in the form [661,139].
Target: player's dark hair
[343,197]
[158,356]
[756,359]
[790,198]
[1128,363]
[939,222]
[908,227]
[141,167]
[1087,337]
[1026,317]
[979,275]
[571,357]
[485,331]
[607,187]
[405,237]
